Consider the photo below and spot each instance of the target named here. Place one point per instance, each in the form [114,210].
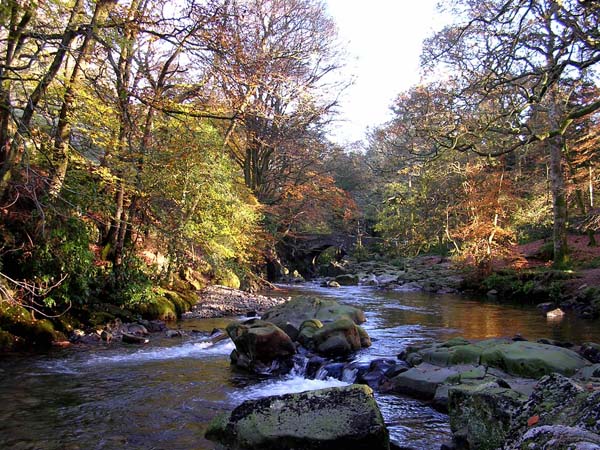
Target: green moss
[532,360]
[160,308]
[217,428]
[43,333]
[7,341]
[228,278]
[333,418]
[459,340]
[182,301]
[18,322]
[99,318]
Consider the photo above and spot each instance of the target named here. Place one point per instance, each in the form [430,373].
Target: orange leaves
[315,205]
[482,216]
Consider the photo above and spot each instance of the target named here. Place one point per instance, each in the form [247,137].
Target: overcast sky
[383,39]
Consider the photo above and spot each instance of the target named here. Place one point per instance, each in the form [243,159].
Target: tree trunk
[11,152]
[559,201]
[63,129]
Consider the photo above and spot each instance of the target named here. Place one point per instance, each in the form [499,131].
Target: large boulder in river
[261,347]
[300,309]
[338,418]
[347,280]
[334,339]
[340,338]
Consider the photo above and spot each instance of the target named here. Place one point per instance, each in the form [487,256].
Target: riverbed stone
[561,400]
[589,372]
[531,359]
[339,338]
[590,351]
[422,381]
[347,279]
[556,437]
[336,418]
[518,358]
[300,309]
[260,346]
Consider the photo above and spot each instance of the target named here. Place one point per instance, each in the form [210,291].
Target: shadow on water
[162,396]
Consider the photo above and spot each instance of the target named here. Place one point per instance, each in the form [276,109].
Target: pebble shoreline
[221,301]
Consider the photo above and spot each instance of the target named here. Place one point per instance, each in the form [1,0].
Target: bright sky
[383,39]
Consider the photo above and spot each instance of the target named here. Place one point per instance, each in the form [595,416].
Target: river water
[162,395]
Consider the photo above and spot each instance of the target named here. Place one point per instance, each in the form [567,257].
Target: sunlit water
[161,396]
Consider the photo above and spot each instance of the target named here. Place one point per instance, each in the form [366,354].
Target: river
[162,395]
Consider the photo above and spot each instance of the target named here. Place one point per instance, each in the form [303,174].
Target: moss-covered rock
[557,437]
[228,278]
[423,381]
[22,330]
[300,309]
[566,413]
[483,415]
[308,328]
[339,338]
[8,341]
[159,308]
[339,418]
[347,280]
[182,301]
[532,359]
[521,358]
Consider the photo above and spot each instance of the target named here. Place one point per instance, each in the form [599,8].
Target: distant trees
[271,61]
[511,76]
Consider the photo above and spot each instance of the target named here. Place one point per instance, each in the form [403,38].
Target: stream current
[162,395]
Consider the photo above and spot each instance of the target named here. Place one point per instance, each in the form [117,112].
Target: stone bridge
[301,252]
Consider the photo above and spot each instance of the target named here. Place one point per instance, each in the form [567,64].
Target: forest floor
[585,260]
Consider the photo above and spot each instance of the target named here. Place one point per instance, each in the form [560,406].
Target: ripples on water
[162,396]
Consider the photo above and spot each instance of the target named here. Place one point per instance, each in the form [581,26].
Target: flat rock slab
[521,358]
[422,381]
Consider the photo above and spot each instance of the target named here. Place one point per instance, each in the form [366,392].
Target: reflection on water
[162,396]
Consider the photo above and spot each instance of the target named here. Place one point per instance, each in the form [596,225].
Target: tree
[270,60]
[510,67]
[32,55]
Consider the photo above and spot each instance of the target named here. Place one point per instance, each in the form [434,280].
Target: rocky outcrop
[266,346]
[560,407]
[261,347]
[559,414]
[498,391]
[481,415]
[330,419]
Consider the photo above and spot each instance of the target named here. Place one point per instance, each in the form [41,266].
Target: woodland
[147,143]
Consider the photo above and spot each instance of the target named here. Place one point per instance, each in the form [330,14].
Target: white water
[188,350]
[287,385]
